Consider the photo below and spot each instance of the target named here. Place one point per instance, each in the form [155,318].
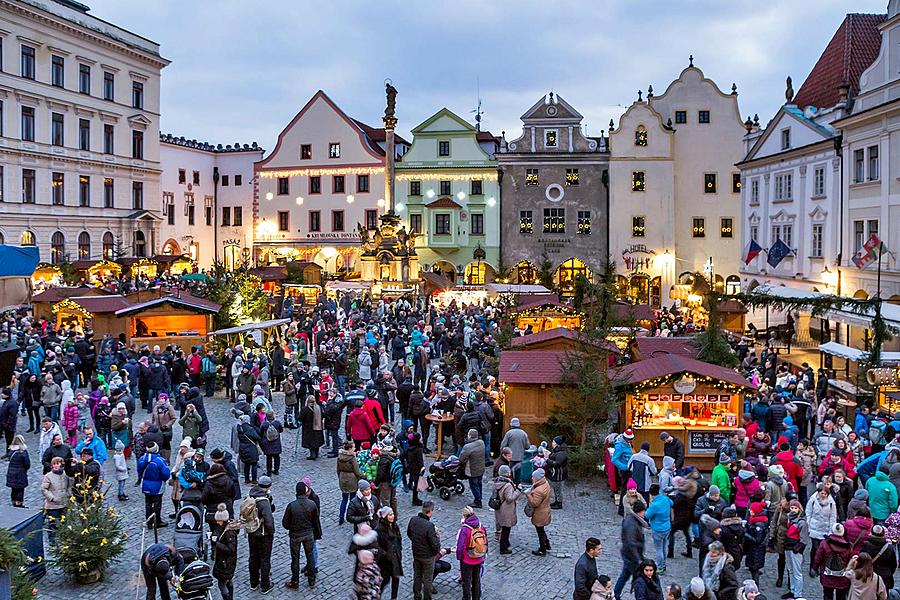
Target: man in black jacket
[586,569]
[425,546]
[632,545]
[300,519]
[673,447]
[260,541]
[57,448]
[363,506]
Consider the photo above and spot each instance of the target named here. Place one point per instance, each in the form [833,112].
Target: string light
[484,175]
[321,172]
[269,196]
[350,199]
[299,200]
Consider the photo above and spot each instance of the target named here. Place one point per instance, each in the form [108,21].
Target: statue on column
[391,93]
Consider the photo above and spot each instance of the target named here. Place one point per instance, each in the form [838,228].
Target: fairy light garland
[700,379]
[321,172]
[447,176]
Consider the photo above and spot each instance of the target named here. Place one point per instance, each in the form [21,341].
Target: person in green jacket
[882,496]
[721,477]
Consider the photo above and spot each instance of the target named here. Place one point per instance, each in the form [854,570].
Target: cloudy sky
[241,70]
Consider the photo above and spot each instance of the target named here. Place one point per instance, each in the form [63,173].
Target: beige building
[675,190]
[79,141]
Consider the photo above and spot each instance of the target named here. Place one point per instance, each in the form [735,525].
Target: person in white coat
[365,365]
[821,515]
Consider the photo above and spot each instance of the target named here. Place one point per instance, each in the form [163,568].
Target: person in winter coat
[363,507]
[821,515]
[838,457]
[17,471]
[224,540]
[674,448]
[718,573]
[667,473]
[746,485]
[505,517]
[470,566]
[365,365]
[301,519]
[538,498]
[632,547]
[883,557]
[732,535]
[154,473]
[291,403]
[349,476]
[842,491]
[516,439]
[56,487]
[48,431]
[776,488]
[643,468]
[218,489]
[260,541]
[51,397]
[721,477]
[795,541]
[557,469]
[858,529]
[882,496]
[190,423]
[696,590]
[270,442]
[659,516]
[248,439]
[865,584]
[415,463]
[860,500]
[390,550]
[621,459]
[793,471]
[832,555]
[313,422]
[358,427]
[756,535]
[646,584]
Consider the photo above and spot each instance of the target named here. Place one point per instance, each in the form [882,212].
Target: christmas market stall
[42,304]
[529,379]
[334,288]
[272,278]
[46,275]
[251,335]
[174,264]
[97,313]
[139,267]
[180,319]
[694,401]
[95,271]
[303,294]
[543,312]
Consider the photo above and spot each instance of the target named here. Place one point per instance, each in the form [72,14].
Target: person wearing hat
[830,561]
[697,590]
[470,566]
[884,560]
[793,542]
[160,564]
[538,499]
[224,539]
[557,469]
[673,447]
[721,477]
[154,473]
[516,439]
[260,541]
[301,519]
[121,464]
[471,463]
[120,427]
[363,507]
[621,459]
[756,536]
[390,550]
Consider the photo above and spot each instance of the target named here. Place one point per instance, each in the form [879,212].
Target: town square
[473,300]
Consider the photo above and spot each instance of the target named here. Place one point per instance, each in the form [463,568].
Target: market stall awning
[250,327]
[541,301]
[515,288]
[183,300]
[348,286]
[17,265]
[532,366]
[855,354]
[669,364]
[783,291]
[436,280]
[270,273]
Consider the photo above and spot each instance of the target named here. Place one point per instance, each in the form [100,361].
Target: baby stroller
[444,475]
[196,581]
[189,530]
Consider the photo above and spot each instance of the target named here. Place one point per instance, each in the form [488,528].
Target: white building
[324,176]
[207,200]
[79,133]
[674,189]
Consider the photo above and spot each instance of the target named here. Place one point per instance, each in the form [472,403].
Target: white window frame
[819,180]
[817,235]
[784,186]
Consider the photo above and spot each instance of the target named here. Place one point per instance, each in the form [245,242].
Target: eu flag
[777,253]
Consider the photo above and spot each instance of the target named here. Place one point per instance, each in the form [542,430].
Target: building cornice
[786,154]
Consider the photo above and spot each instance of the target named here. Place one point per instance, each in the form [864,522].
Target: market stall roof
[55,294]
[540,300]
[783,291]
[348,286]
[648,347]
[18,261]
[270,273]
[557,333]
[250,327]
[165,259]
[183,300]
[437,280]
[131,260]
[516,288]
[731,306]
[624,311]
[855,354]
[532,366]
[671,364]
[101,304]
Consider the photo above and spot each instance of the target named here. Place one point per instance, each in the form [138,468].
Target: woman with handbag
[503,502]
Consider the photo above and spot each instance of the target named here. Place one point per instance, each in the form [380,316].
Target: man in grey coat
[516,440]
[471,459]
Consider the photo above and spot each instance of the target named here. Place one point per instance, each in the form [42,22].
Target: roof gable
[442,121]
[787,115]
[852,49]
[560,111]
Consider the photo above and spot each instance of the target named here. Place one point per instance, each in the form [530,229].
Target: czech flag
[751,251]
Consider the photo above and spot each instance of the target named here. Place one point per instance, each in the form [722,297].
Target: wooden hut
[181,319]
[529,379]
[97,313]
[174,264]
[94,271]
[544,312]
[139,267]
[42,304]
[272,278]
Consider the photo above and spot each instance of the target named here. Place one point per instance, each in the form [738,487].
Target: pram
[196,581]
[189,530]
[444,475]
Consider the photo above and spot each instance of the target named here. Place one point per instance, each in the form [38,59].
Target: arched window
[733,285]
[640,136]
[27,239]
[84,245]
[109,246]
[526,273]
[140,244]
[57,248]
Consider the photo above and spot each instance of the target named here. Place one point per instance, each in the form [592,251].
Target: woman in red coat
[838,458]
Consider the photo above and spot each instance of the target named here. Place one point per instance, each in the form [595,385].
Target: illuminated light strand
[445,176]
[322,172]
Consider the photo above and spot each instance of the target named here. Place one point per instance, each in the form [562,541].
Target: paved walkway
[588,512]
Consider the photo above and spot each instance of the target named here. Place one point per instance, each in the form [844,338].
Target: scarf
[317,415]
[712,570]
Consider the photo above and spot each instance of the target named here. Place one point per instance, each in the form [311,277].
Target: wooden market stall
[46,275]
[303,294]
[697,402]
[180,319]
[333,288]
[174,264]
[94,271]
[42,304]
[252,335]
[529,379]
[272,278]
[558,338]
[543,312]
[97,313]
[139,267]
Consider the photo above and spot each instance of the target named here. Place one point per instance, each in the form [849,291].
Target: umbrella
[196,277]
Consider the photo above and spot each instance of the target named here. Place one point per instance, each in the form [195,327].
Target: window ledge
[818,197]
[856,185]
[782,201]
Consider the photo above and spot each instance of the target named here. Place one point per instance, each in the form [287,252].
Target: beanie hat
[628,435]
[861,494]
[729,513]
[363,485]
[878,531]
[221,513]
[837,529]
[714,490]
[559,440]
[794,503]
[698,588]
[757,508]
[153,448]
[514,422]
[749,587]
[631,485]
[186,442]
[645,446]
[265,481]
[724,459]
[745,475]
[504,471]
[539,474]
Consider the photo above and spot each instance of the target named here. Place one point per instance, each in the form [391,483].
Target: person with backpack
[224,539]
[256,513]
[756,535]
[883,557]
[270,442]
[830,561]
[471,548]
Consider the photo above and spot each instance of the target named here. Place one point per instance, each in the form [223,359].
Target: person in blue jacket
[622,453]
[869,466]
[92,441]
[861,423]
[153,473]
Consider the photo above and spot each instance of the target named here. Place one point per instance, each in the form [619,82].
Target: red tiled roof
[552,334]
[681,346]
[84,265]
[55,294]
[670,364]
[378,134]
[183,299]
[102,304]
[535,300]
[270,273]
[532,366]
[851,50]
[443,203]
[486,136]
[639,312]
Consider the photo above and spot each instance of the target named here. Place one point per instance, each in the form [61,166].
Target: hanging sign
[686,384]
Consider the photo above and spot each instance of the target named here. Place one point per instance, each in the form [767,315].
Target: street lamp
[829,277]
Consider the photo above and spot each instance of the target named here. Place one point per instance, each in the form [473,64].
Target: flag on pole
[777,253]
[869,253]
[751,251]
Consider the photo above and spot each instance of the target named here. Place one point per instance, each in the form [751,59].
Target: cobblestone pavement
[588,512]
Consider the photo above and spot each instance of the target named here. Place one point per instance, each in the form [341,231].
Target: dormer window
[640,136]
[551,138]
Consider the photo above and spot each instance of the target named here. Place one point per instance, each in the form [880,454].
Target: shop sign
[706,442]
[345,235]
[685,385]
[553,246]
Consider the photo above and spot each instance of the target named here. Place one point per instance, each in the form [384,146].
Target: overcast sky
[242,69]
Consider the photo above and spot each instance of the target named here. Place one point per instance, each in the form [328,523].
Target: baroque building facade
[79,133]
